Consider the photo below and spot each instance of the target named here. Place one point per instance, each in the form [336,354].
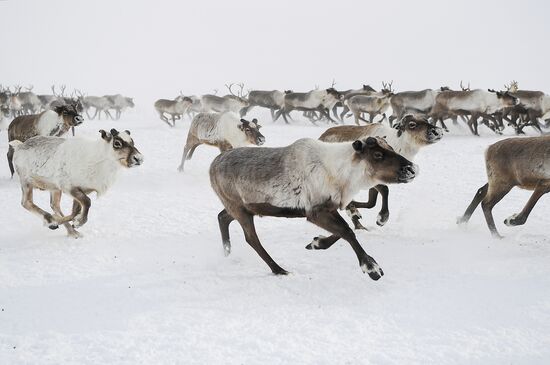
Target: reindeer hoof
[358,225]
[315,244]
[75,235]
[369,266]
[226,248]
[513,221]
[280,271]
[382,219]
[180,169]
[53,226]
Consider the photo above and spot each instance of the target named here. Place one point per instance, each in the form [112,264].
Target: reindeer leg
[493,196]
[11,151]
[272,111]
[478,197]
[246,220]
[27,203]
[188,150]
[55,204]
[521,218]
[84,201]
[343,113]
[333,222]
[224,219]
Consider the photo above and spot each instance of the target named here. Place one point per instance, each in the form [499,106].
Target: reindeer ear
[106,136]
[114,132]
[241,125]
[127,131]
[358,146]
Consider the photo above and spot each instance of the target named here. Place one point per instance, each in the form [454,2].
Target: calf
[48,123]
[308,179]
[406,138]
[72,166]
[225,131]
[174,108]
[521,162]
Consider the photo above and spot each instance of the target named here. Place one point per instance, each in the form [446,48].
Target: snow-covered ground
[149,284]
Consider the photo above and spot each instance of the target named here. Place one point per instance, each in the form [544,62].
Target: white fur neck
[49,123]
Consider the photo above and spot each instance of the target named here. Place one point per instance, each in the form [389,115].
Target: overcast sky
[152,49]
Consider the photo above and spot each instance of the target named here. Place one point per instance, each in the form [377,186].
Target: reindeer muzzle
[135,160]
[407,173]
[78,120]
[260,140]
[434,134]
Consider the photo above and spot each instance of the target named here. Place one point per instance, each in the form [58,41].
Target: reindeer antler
[387,86]
[513,87]
[63,87]
[464,88]
[30,87]
[333,83]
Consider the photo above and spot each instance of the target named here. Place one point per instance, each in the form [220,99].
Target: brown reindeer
[521,162]
[307,179]
[48,123]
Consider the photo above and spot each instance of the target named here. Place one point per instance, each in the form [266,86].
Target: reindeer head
[332,97]
[123,147]
[288,91]
[129,102]
[513,87]
[252,131]
[368,88]
[383,164]
[506,99]
[444,88]
[70,113]
[418,129]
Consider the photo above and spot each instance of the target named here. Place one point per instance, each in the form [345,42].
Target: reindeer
[272,100]
[120,103]
[534,105]
[16,107]
[99,103]
[233,102]
[316,100]
[29,101]
[224,131]
[307,179]
[346,94]
[174,108]
[407,137]
[415,102]
[47,123]
[521,162]
[374,104]
[47,99]
[73,166]
[476,103]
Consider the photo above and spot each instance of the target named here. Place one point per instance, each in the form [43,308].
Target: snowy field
[149,284]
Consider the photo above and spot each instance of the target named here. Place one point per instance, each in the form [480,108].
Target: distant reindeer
[48,123]
[225,131]
[272,100]
[120,103]
[233,102]
[99,103]
[47,99]
[476,103]
[174,108]
[320,101]
[413,102]
[374,104]
[346,94]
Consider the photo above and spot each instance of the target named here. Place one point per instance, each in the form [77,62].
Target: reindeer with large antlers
[234,102]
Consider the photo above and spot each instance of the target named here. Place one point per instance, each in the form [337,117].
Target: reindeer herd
[310,178]
[15,102]
[494,109]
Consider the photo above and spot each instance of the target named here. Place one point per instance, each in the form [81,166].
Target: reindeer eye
[117,144]
[248,129]
[412,125]
[378,155]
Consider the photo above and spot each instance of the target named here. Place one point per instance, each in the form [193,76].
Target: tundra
[225,131]
[307,179]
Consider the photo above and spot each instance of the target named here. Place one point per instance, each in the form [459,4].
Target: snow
[149,283]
